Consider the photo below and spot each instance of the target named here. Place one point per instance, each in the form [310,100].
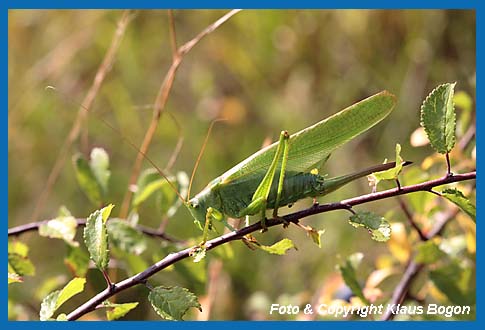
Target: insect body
[279,174]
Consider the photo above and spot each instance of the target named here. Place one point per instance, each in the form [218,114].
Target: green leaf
[61,317]
[99,164]
[116,311]
[18,260]
[429,252]
[87,180]
[75,286]
[55,299]
[151,182]
[14,278]
[172,303]
[279,248]
[453,281]
[168,199]
[457,197]
[48,305]
[377,226]
[96,237]
[77,260]
[63,228]
[126,237]
[148,182]
[316,236]
[390,174]
[348,274]
[439,119]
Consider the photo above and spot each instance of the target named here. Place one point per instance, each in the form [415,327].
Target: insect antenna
[125,139]
[202,149]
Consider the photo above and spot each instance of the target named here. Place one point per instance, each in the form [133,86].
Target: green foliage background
[265,71]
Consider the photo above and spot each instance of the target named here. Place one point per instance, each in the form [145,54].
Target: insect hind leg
[260,197]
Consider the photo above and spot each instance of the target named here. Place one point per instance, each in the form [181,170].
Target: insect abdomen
[296,186]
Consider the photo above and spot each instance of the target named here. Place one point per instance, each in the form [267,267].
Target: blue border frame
[411,4]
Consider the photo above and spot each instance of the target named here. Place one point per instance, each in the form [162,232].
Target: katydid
[281,173]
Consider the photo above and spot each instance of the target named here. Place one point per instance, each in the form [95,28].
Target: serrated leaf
[63,228]
[116,311]
[439,119]
[377,226]
[55,299]
[460,200]
[96,237]
[14,278]
[48,305]
[349,276]
[126,237]
[279,248]
[77,260]
[99,163]
[390,174]
[428,252]
[87,180]
[172,303]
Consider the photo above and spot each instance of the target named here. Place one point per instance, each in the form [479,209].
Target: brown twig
[413,269]
[163,94]
[410,217]
[18,230]
[88,101]
[172,258]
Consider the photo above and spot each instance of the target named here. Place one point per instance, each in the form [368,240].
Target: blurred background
[264,71]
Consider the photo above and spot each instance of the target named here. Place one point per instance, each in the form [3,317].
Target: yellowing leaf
[390,174]
[116,311]
[55,299]
[279,248]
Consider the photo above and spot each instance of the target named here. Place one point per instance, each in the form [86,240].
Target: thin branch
[410,217]
[172,258]
[413,269]
[88,101]
[162,98]
[18,230]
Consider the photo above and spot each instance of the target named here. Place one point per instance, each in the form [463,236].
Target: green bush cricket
[250,187]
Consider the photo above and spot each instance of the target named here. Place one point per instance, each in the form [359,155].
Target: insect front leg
[211,214]
[260,197]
